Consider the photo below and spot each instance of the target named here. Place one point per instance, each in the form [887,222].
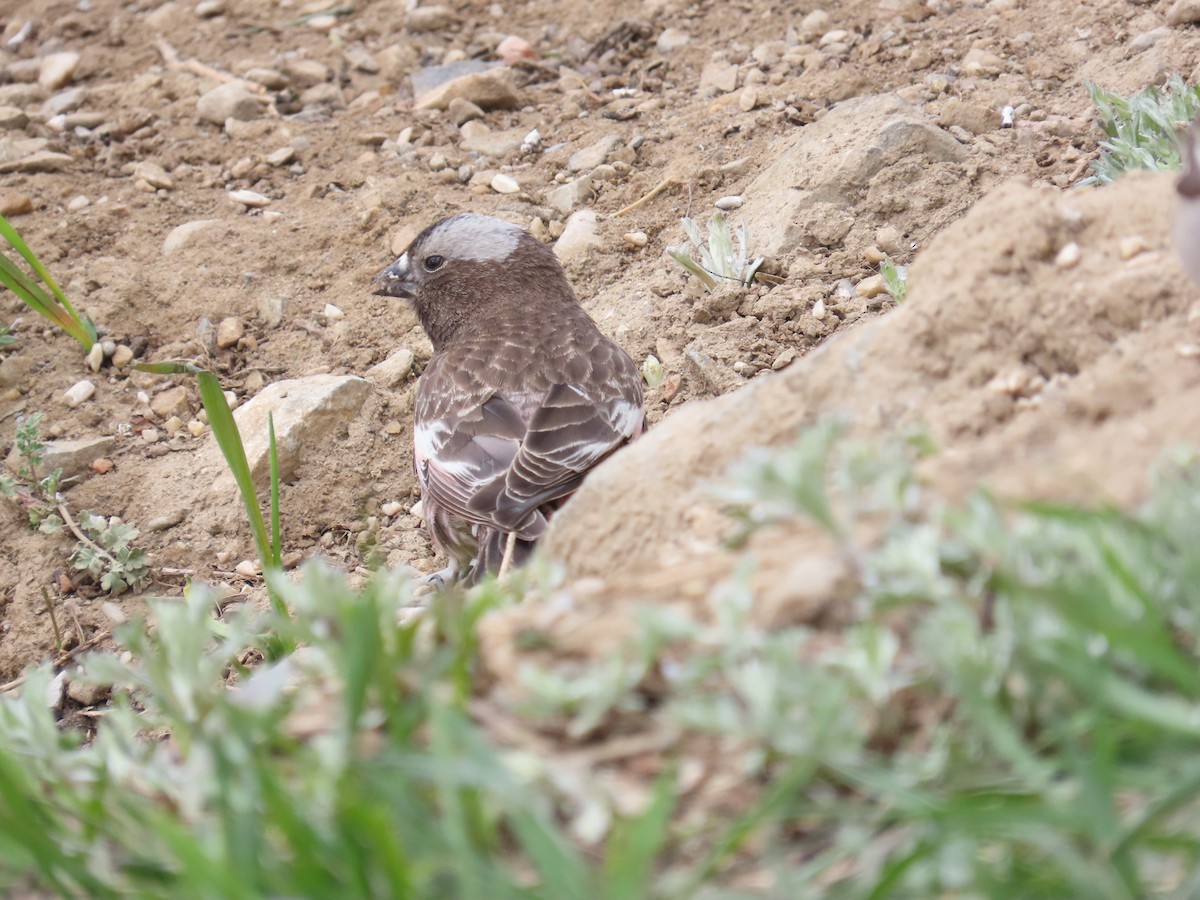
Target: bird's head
[470,269]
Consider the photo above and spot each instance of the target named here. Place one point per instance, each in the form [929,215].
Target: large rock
[72,455]
[487,85]
[1019,368]
[831,162]
[308,413]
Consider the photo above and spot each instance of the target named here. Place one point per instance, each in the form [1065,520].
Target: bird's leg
[509,547]
[441,577]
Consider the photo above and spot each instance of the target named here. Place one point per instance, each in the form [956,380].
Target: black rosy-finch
[1187,210]
[523,395]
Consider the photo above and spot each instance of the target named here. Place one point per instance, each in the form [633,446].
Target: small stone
[230,101]
[166,521]
[282,157]
[889,240]
[672,39]
[748,99]
[480,139]
[181,235]
[95,357]
[594,154]
[108,347]
[173,425]
[392,427]
[122,356]
[462,111]
[15,203]
[268,78]
[578,238]
[391,508]
[332,313]
[208,9]
[78,393]
[871,286]
[784,359]
[718,77]
[12,117]
[504,184]
[57,70]
[729,203]
[150,435]
[249,199]
[636,238]
[978,61]
[874,255]
[101,466]
[305,73]
[154,175]
[271,309]
[229,332]
[392,371]
[247,568]
[424,19]
[75,456]
[78,203]
[196,428]
[38,161]
[86,694]
[570,196]
[513,49]
[1069,256]
[818,310]
[1132,245]
[487,85]
[171,402]
[815,23]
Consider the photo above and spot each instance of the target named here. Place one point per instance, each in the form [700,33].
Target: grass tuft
[54,305]
[1142,131]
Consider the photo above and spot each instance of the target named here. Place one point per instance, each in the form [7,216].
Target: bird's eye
[433,263]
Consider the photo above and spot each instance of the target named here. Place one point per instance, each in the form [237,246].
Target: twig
[509,547]
[53,618]
[62,659]
[12,685]
[662,186]
[62,511]
[171,57]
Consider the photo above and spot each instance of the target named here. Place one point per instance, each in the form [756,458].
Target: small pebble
[101,466]
[504,184]
[729,203]
[108,348]
[196,428]
[636,238]
[78,203]
[281,157]
[1068,256]
[874,255]
[122,356]
[150,435]
[79,393]
[1131,246]
[392,508]
[871,286]
[95,357]
[249,199]
[818,310]
[229,332]
[247,568]
[333,313]
[173,424]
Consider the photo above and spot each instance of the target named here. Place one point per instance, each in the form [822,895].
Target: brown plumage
[523,395]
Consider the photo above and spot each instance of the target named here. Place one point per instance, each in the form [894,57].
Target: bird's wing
[494,456]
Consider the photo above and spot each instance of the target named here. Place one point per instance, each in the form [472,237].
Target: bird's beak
[395,280]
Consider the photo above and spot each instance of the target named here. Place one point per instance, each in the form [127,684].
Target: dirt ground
[675,105]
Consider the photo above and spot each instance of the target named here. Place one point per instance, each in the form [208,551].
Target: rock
[268,78]
[180,235]
[14,369]
[504,184]
[282,157]
[86,694]
[39,161]
[308,413]
[324,94]
[393,371]
[333,313]
[982,62]
[672,39]
[230,101]
[579,237]
[304,73]
[748,99]
[270,310]
[249,199]
[14,203]
[636,239]
[480,139]
[73,456]
[57,70]
[78,393]
[830,162]
[487,85]
[463,111]
[171,402]
[167,520]
[151,435]
[12,117]
[95,357]
[570,196]
[122,356]
[424,19]
[727,204]
[154,175]
[229,331]
[64,102]
[1184,12]
[971,116]
[718,77]
[593,155]
[513,49]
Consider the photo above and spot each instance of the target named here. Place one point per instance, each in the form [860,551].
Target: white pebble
[150,435]
[78,203]
[78,393]
[1068,256]
[504,184]
[418,510]
[251,199]
[392,508]
[95,357]
[531,141]
[728,203]
[636,238]
[333,313]
[247,568]
[232,399]
[818,310]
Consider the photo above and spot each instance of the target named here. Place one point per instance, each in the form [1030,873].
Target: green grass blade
[11,235]
[636,844]
[276,528]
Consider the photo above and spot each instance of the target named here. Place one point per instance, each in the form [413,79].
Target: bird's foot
[439,579]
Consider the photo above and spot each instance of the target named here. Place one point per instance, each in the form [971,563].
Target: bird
[1187,209]
[523,396]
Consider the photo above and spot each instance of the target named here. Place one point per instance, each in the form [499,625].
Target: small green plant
[229,440]
[108,554]
[6,336]
[1142,131]
[895,279]
[722,259]
[36,492]
[54,305]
